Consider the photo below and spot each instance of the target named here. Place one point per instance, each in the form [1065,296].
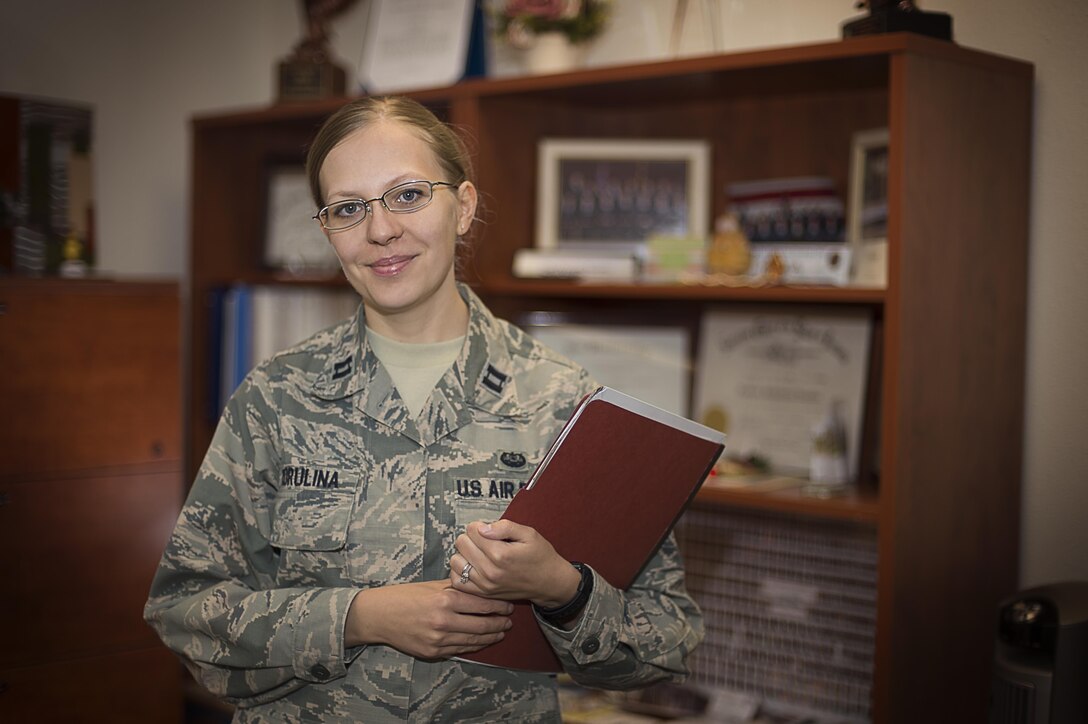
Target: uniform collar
[482,377]
[339,374]
[485,369]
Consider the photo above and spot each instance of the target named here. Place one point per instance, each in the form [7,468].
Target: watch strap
[574,606]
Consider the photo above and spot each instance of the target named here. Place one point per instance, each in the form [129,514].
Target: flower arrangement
[518,21]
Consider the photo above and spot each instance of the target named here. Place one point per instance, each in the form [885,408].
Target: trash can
[1041,656]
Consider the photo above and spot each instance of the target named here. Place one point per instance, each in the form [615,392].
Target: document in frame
[649,362]
[412,44]
[768,379]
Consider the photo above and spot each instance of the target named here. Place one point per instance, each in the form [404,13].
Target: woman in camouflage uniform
[331,561]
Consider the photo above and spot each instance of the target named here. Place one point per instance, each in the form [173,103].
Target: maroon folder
[607,493]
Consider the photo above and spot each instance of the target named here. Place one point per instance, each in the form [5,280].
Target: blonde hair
[447,146]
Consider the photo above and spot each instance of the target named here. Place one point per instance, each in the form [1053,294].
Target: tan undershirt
[415,368]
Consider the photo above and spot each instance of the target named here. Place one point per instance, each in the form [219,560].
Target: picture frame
[768,375]
[293,241]
[867,212]
[413,44]
[650,359]
[797,221]
[613,195]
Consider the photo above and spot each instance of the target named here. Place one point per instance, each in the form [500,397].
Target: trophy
[309,73]
[893,16]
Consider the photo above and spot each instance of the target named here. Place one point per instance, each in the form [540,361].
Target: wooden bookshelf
[945,489]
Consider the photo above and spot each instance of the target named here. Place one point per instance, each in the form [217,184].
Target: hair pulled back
[447,146]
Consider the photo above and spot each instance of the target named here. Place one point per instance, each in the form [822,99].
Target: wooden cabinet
[90,487]
[950,326]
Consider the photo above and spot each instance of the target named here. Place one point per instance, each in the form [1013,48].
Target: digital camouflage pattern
[319,483]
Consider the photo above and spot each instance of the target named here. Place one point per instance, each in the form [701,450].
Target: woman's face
[401,264]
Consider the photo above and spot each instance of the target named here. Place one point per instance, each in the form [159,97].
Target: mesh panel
[790,608]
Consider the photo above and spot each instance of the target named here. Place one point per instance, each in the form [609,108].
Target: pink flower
[518,21]
[549,9]
[518,35]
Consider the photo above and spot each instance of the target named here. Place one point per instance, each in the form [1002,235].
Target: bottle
[828,464]
[73,264]
[729,252]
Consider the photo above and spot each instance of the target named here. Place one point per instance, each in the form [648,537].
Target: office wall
[148,67]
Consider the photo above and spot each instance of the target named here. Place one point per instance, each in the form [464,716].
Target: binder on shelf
[607,493]
[284,316]
[579,264]
[251,323]
[215,337]
[236,351]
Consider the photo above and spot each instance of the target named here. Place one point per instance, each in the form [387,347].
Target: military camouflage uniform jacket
[318,483]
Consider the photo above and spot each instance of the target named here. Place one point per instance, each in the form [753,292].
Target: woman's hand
[428,620]
[512,562]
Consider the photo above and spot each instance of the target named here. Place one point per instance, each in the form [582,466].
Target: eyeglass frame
[367,202]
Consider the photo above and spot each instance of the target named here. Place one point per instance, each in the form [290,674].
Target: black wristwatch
[574,606]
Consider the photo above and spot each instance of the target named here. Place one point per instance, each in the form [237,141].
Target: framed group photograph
[867,213]
[614,195]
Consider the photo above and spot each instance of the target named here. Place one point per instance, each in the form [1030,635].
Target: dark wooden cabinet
[944,495]
[90,487]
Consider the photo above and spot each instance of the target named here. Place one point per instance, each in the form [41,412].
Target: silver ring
[464,573]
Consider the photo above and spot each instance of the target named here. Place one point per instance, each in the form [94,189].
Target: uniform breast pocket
[481,487]
[311,520]
[482,490]
[309,531]
[472,509]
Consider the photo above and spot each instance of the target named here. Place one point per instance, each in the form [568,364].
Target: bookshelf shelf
[949,327]
[683,292]
[858,505]
[271,277]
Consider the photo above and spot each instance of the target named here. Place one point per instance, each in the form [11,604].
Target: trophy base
[301,80]
[892,20]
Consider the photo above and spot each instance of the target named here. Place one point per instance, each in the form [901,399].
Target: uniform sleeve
[633,638]
[212,599]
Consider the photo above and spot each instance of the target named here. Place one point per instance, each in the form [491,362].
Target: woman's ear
[466,208]
[324,231]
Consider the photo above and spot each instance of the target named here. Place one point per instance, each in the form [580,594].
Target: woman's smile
[391,265]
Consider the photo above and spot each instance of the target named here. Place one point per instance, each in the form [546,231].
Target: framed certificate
[769,378]
[293,240]
[645,361]
[412,44]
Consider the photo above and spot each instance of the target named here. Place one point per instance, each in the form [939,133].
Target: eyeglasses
[401,199]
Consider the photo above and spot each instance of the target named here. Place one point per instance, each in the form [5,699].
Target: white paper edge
[379,73]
